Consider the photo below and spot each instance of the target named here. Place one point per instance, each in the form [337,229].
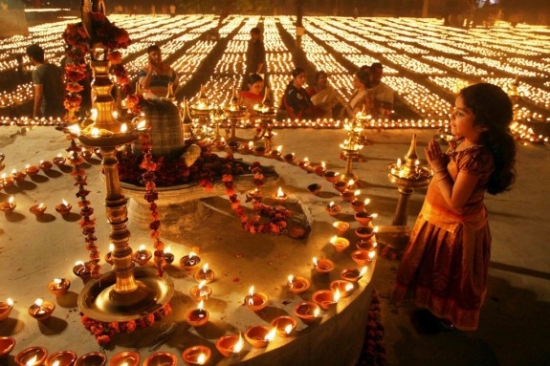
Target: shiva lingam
[202,108]
[406,176]
[126,293]
[233,111]
[351,147]
[266,112]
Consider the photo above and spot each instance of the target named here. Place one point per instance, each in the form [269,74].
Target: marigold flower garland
[151,195]
[87,223]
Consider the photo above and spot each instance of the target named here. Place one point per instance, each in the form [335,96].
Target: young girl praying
[446,262]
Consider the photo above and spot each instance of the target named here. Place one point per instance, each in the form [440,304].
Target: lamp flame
[32,361]
[205,268]
[336,296]
[251,291]
[290,280]
[271,335]
[239,345]
[363,271]
[10,301]
[39,302]
[315,261]
[288,329]
[123,128]
[65,202]
[142,247]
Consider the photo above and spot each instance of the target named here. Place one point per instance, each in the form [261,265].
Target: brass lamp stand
[234,110]
[126,293]
[266,112]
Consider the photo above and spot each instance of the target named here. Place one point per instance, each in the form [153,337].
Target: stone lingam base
[181,207]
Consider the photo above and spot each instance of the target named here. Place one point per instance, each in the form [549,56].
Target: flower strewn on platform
[105,331]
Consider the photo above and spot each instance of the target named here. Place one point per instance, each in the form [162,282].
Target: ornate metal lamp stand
[352,146]
[266,112]
[233,111]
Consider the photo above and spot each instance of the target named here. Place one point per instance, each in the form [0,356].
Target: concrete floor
[514,321]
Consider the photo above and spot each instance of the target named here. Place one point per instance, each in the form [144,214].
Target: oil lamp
[41,310]
[59,286]
[259,336]
[8,206]
[196,355]
[190,261]
[255,301]
[142,256]
[205,274]
[64,208]
[200,292]
[197,317]
[298,284]
[307,311]
[230,344]
[323,265]
[38,210]
[5,309]
[284,325]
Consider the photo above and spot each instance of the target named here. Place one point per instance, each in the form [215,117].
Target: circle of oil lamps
[230,344]
[298,284]
[196,355]
[59,286]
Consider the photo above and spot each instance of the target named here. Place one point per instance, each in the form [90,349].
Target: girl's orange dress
[446,262]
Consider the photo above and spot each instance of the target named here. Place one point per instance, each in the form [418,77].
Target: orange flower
[114,57]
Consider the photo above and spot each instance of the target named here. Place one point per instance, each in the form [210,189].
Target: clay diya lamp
[365,232]
[5,309]
[41,310]
[351,184]
[358,205]
[45,165]
[297,285]
[129,358]
[64,208]
[343,287]
[341,227]
[361,257]
[255,301]
[364,218]
[18,176]
[230,344]
[234,145]
[259,150]
[314,188]
[61,358]
[284,325]
[92,359]
[59,286]
[325,298]
[259,336]
[6,345]
[323,265]
[275,153]
[196,355]
[168,256]
[320,169]
[220,143]
[353,274]
[304,164]
[333,208]
[86,153]
[82,270]
[331,176]
[205,274]
[32,170]
[348,196]
[59,160]
[280,196]
[7,181]
[161,359]
[197,317]
[340,186]
[366,244]
[307,311]
[38,210]
[340,244]
[200,292]
[189,262]
[8,206]
[142,256]
[32,356]
[289,158]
